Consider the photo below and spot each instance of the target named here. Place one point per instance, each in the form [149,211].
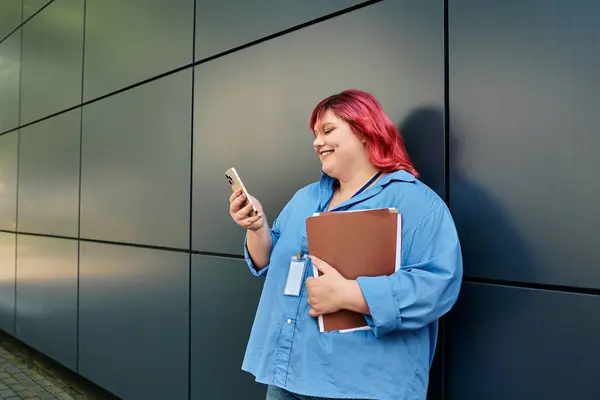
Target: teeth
[326,153]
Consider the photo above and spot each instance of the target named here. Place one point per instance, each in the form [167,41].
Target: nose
[318,141]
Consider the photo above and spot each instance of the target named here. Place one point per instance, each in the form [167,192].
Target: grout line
[191,205]
[15,292]
[534,286]
[487,281]
[129,244]
[446,174]
[24,22]
[79,200]
[18,168]
[204,60]
[446,106]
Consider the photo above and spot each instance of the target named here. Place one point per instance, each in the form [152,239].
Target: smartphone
[235,182]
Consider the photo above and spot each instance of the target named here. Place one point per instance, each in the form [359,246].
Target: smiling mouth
[326,153]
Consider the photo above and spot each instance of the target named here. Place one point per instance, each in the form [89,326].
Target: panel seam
[22,23]
[191,207]
[17,172]
[446,175]
[195,63]
[77,330]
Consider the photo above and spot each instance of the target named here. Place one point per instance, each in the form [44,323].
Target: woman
[364,165]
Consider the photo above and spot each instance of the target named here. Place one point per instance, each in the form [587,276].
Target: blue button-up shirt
[390,361]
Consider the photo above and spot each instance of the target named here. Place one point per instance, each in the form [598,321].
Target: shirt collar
[326,183]
[400,175]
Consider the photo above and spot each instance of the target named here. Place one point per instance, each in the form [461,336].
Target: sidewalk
[22,377]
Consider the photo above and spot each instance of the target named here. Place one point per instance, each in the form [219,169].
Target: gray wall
[524,99]
[119,118]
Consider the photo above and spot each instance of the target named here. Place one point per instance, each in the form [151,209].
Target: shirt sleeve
[275,233]
[426,286]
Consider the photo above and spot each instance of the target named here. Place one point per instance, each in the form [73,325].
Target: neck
[352,182]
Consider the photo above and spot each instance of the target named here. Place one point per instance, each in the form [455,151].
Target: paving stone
[27,379]
[6,393]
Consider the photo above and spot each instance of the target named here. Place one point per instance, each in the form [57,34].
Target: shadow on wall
[490,243]
[423,134]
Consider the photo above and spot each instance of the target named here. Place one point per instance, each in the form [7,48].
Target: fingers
[242,213]
[249,222]
[310,281]
[235,194]
[235,201]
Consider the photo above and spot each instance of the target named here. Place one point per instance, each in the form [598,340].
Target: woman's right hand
[241,215]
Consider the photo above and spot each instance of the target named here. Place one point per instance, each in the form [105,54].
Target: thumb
[323,266]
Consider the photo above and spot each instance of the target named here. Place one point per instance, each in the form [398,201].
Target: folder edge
[397,266]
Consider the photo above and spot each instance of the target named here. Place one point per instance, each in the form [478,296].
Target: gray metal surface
[10,61]
[253,20]
[8,181]
[257,121]
[524,101]
[47,296]
[7,282]
[49,176]
[129,41]
[10,16]
[224,299]
[135,177]
[513,343]
[134,321]
[52,60]
[30,7]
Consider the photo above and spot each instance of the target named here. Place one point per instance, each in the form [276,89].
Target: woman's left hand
[328,292]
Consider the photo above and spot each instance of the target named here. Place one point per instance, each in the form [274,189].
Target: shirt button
[289,321]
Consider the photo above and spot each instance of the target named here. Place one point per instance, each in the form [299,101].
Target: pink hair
[366,117]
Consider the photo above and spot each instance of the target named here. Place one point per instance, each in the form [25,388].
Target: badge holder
[295,275]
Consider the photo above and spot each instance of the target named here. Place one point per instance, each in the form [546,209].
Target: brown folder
[355,243]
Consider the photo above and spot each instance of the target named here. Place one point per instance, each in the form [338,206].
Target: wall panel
[224,299]
[7,282]
[49,176]
[523,102]
[10,16]
[30,7]
[252,20]
[47,296]
[514,343]
[129,41]
[10,62]
[8,180]
[257,120]
[135,175]
[52,60]
[133,321]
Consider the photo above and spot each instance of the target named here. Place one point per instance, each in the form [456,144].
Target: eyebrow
[323,125]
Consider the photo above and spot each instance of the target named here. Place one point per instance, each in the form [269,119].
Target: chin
[329,170]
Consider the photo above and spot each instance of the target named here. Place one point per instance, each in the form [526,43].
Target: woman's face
[338,148]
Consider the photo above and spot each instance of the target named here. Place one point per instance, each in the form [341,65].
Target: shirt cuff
[253,269]
[384,314]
